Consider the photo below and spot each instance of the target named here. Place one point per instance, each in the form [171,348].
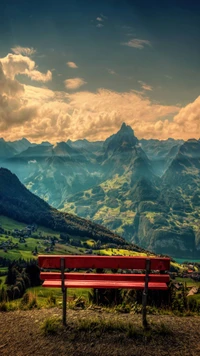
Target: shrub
[51,300]
[29,301]
[50,326]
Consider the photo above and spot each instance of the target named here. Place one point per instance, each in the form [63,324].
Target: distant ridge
[19,203]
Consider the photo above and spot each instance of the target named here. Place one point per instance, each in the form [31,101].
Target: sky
[79,69]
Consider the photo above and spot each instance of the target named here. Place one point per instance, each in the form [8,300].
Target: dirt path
[20,335]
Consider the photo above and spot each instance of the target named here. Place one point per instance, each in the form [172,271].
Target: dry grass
[96,332]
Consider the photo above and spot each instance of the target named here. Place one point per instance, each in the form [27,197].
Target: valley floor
[20,335]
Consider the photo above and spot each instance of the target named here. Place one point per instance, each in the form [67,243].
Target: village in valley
[12,239]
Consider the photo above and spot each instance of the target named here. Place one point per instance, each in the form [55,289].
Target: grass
[100,325]
[43,294]
[119,252]
[189,282]
[50,326]
[10,224]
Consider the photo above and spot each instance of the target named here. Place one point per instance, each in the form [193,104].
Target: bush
[51,300]
[50,326]
[29,301]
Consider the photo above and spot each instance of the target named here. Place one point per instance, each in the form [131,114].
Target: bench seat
[103,284]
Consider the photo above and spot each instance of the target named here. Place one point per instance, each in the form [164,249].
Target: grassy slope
[25,249]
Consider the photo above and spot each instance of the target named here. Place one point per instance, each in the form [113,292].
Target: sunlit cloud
[74,83]
[38,76]
[99,19]
[137,43]
[14,64]
[145,86]
[72,65]
[41,114]
[24,50]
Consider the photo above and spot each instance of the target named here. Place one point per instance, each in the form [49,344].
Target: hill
[20,204]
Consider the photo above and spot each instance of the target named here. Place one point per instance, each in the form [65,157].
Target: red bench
[156,281]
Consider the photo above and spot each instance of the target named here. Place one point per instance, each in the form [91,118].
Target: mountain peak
[124,139]
[126,128]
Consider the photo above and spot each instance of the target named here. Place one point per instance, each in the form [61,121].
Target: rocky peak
[124,139]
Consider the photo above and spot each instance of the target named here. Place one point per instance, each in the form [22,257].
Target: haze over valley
[147,191]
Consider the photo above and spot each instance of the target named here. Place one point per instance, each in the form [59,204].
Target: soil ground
[20,334]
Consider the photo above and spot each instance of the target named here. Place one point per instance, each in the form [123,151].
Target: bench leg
[145,293]
[64,290]
[64,306]
[144,310]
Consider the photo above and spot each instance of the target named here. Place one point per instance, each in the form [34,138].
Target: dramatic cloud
[145,86]
[23,50]
[137,43]
[39,77]
[14,64]
[74,83]
[72,65]
[15,110]
[41,114]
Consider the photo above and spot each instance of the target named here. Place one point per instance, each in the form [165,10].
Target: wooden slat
[113,262]
[105,276]
[104,284]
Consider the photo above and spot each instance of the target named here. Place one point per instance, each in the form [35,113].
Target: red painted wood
[105,276]
[104,284]
[113,262]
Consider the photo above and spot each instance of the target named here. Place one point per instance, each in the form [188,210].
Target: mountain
[87,146]
[123,140]
[146,191]
[184,170]
[160,152]
[20,145]
[6,151]
[122,154]
[20,204]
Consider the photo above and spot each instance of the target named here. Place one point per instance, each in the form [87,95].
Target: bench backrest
[103,262]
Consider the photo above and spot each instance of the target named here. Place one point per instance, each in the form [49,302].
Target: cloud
[72,65]
[24,50]
[74,83]
[110,71]
[168,77]
[41,114]
[99,19]
[137,43]
[145,86]
[38,76]
[15,110]
[99,25]
[14,64]
[104,17]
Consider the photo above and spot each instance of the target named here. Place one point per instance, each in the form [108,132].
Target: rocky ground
[20,334]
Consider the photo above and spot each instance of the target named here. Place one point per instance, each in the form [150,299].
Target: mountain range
[18,203]
[147,191]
